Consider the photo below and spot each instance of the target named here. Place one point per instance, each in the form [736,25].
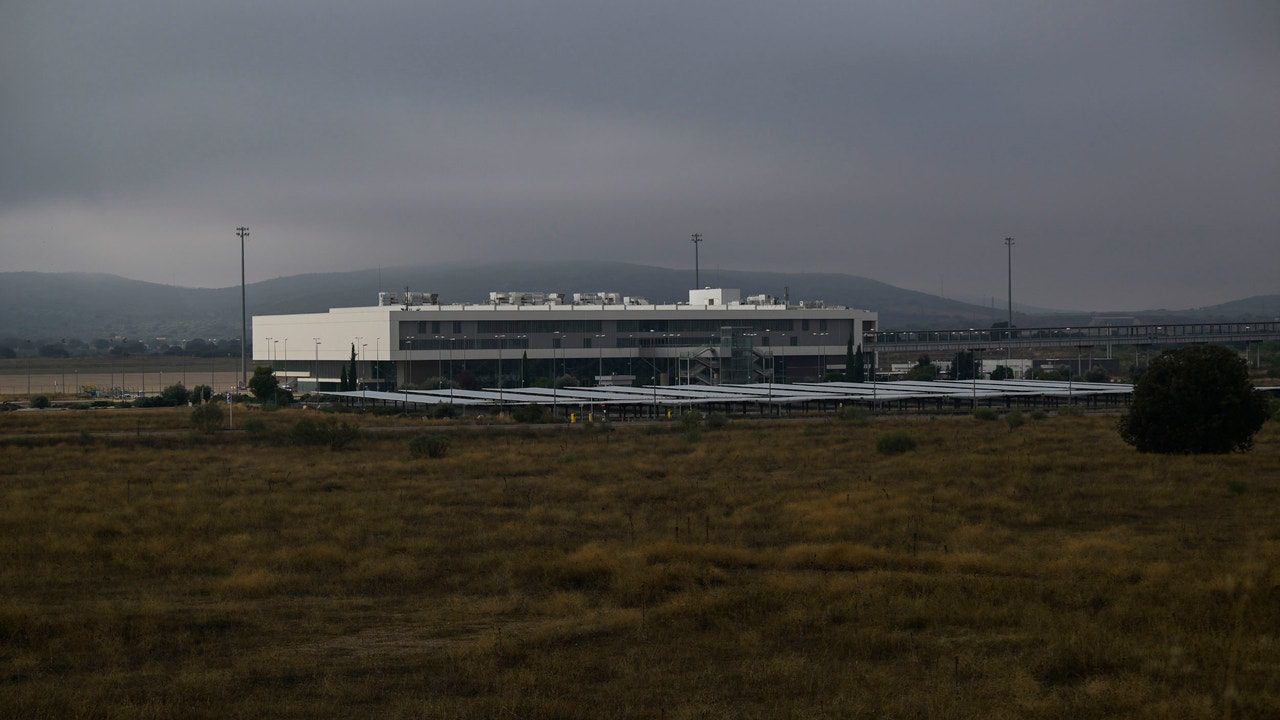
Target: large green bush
[529,414]
[207,418]
[40,402]
[1194,400]
[430,445]
[335,433]
[895,443]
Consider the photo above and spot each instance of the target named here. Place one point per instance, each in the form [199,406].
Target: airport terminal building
[412,339]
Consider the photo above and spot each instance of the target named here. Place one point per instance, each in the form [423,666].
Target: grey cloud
[1130,147]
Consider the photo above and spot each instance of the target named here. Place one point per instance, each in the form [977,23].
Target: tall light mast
[697,277]
[243,232]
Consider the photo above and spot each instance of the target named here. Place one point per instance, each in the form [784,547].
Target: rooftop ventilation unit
[521,298]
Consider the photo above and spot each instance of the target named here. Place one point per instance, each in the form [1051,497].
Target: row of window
[522,343]
[498,327]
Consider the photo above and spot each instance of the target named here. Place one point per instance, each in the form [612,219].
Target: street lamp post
[500,339]
[600,355]
[696,239]
[243,232]
[556,341]
[364,386]
[315,365]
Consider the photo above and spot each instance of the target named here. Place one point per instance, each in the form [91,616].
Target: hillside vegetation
[761,570]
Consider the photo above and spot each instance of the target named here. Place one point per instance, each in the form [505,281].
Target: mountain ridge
[86,305]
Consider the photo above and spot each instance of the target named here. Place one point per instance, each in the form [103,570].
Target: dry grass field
[763,570]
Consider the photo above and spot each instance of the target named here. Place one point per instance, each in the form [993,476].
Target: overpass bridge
[1228,333]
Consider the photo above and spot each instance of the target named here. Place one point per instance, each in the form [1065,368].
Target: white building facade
[414,340]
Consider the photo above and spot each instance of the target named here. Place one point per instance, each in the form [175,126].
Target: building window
[422,328]
[457,327]
[586,343]
[794,341]
[822,326]
[764,340]
[804,326]
[555,343]
[435,327]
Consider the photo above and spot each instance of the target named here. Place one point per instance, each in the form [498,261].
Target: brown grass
[766,570]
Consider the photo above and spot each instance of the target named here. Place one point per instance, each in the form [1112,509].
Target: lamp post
[284,367]
[408,372]
[315,365]
[451,341]
[242,232]
[500,339]
[364,386]
[600,355]
[696,239]
[556,341]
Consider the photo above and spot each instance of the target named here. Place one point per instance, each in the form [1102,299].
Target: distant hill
[80,305]
[1251,309]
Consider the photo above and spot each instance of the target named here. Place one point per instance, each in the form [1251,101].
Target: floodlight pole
[243,232]
[696,238]
[1008,244]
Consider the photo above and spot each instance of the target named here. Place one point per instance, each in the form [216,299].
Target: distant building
[411,338]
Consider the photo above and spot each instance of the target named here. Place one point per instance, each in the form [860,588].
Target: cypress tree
[849,372]
[353,374]
[859,371]
[342,381]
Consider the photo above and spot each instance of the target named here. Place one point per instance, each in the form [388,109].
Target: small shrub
[691,425]
[529,414]
[430,445]
[40,402]
[716,421]
[1014,419]
[207,418]
[254,427]
[1038,415]
[443,411]
[986,414]
[335,433]
[854,414]
[895,443]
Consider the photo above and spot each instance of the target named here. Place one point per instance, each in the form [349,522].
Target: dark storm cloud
[1130,147]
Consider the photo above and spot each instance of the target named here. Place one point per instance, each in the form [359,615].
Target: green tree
[1194,400]
[924,370]
[1002,372]
[859,366]
[1097,375]
[963,366]
[524,363]
[353,372]
[207,418]
[263,384]
[849,359]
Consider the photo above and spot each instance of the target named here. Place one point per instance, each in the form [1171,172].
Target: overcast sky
[1132,148]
